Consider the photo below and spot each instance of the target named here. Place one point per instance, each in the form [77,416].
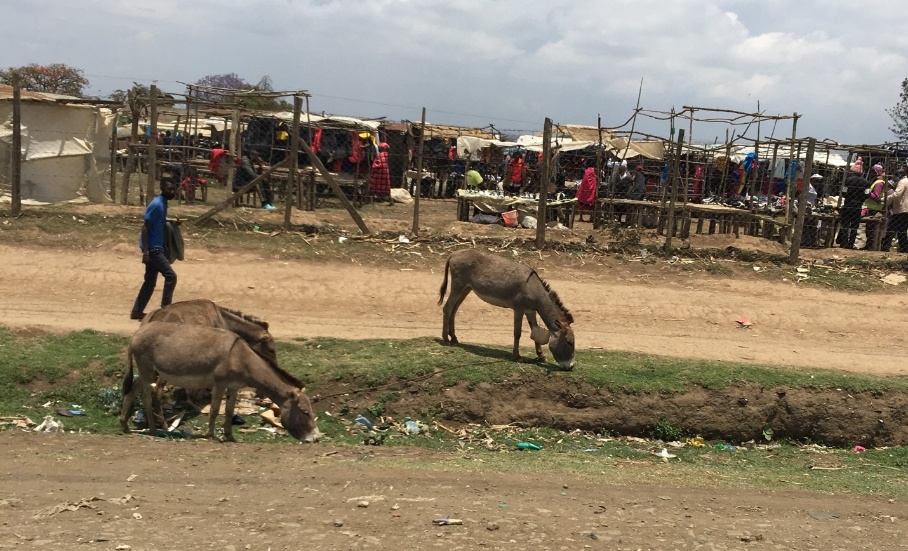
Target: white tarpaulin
[65,149]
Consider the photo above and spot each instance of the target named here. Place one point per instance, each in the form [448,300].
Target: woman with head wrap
[873,205]
[380,178]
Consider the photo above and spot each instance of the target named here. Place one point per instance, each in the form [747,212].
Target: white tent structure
[65,147]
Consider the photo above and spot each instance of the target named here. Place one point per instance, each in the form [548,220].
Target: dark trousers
[898,226]
[157,264]
[851,219]
[267,194]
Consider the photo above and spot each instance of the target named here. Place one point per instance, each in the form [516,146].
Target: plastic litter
[447,521]
[364,421]
[857,449]
[528,446]
[664,454]
[49,425]
[412,427]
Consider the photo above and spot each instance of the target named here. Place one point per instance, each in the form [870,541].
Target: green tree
[899,114]
[56,78]
[232,81]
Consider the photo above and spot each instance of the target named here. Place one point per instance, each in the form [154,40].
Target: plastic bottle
[528,446]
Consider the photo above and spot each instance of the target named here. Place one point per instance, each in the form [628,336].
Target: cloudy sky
[509,63]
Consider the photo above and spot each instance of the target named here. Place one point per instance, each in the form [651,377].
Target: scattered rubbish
[403,239]
[822,515]
[803,269]
[255,228]
[64,412]
[664,454]
[49,425]
[744,323]
[696,442]
[720,446]
[236,420]
[412,427]
[859,449]
[88,503]
[756,268]
[528,446]
[374,438]
[767,434]
[364,421]
[894,279]
[447,521]
[176,422]
[18,421]
[341,239]
[363,504]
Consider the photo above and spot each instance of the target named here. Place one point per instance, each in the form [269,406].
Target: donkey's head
[561,343]
[297,417]
[263,345]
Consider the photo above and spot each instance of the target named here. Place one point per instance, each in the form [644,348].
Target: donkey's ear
[540,335]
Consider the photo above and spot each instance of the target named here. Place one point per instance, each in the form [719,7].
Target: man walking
[152,244]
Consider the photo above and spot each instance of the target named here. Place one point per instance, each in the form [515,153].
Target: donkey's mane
[555,298]
[252,319]
[286,376]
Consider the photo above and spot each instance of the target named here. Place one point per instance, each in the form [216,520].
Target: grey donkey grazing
[194,356]
[512,285]
[205,312]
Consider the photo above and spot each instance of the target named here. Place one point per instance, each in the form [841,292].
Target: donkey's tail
[444,283]
[127,379]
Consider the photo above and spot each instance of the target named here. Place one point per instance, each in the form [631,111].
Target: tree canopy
[232,81]
[56,78]
[899,114]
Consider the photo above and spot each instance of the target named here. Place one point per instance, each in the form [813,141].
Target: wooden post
[16,157]
[294,161]
[419,148]
[788,179]
[596,205]
[113,159]
[131,150]
[544,183]
[675,176]
[802,205]
[152,169]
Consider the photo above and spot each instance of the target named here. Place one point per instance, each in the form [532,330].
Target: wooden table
[467,199]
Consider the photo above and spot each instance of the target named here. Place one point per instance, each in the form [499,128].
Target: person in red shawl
[380,179]
[586,191]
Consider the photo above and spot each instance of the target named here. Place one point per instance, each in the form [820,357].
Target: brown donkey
[194,356]
[512,285]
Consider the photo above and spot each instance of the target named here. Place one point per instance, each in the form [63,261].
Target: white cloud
[840,63]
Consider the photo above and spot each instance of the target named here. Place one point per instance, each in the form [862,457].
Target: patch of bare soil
[103,492]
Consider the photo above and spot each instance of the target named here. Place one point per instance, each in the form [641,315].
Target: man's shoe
[136,315]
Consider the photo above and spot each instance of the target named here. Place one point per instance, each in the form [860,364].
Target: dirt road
[119,492]
[617,305]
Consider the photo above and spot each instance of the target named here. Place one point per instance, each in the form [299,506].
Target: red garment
[316,140]
[516,168]
[586,192]
[380,179]
[358,153]
[216,156]
[452,153]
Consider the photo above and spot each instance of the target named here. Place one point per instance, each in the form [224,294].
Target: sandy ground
[616,306]
[196,494]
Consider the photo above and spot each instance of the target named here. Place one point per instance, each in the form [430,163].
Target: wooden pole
[113,159]
[596,205]
[16,157]
[802,205]
[544,183]
[294,160]
[131,151]
[687,163]
[675,176]
[788,179]
[151,169]
[419,148]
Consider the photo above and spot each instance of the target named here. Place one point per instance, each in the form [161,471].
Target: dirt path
[109,492]
[617,306]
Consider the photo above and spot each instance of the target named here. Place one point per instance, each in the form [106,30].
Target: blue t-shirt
[156,213]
